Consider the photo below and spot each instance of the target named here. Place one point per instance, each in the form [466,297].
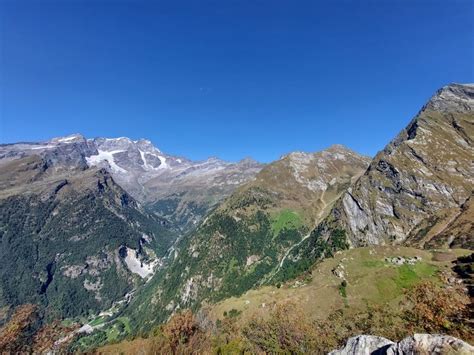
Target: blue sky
[228,78]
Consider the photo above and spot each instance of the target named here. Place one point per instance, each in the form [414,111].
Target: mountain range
[114,227]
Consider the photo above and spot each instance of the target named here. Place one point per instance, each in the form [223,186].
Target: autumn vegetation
[426,308]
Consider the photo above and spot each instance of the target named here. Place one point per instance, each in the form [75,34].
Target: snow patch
[163,164]
[67,139]
[106,156]
[44,147]
[145,163]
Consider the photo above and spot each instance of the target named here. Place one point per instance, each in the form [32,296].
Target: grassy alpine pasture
[370,279]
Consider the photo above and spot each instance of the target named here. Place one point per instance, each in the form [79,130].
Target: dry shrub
[180,335]
[427,307]
[46,336]
[180,329]
[14,335]
[432,308]
[287,330]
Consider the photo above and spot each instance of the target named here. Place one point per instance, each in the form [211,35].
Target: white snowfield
[163,164]
[106,156]
[147,166]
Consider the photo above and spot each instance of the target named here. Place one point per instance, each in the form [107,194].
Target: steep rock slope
[421,179]
[66,232]
[241,243]
[416,191]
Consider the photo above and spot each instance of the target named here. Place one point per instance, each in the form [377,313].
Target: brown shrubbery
[14,335]
[287,330]
[48,334]
[431,308]
[23,334]
[180,335]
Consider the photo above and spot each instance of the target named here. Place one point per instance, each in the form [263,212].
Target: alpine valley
[111,245]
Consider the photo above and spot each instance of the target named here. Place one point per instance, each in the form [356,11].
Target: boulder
[363,345]
[430,344]
[416,344]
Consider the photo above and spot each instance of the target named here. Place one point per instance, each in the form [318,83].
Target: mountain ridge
[159,180]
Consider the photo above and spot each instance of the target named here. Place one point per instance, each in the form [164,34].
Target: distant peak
[215,159]
[333,149]
[119,139]
[146,144]
[143,141]
[338,147]
[72,138]
[249,161]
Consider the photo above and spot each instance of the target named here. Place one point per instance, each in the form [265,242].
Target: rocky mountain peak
[333,152]
[452,98]
[72,138]
[249,161]
[339,148]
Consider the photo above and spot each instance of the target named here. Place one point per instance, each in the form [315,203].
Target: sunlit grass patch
[286,219]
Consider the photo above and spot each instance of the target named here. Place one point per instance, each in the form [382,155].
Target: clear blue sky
[228,78]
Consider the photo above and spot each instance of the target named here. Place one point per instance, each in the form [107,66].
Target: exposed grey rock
[363,345]
[430,344]
[339,271]
[399,260]
[454,97]
[416,344]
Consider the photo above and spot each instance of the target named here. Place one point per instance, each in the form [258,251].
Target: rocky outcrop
[416,344]
[419,184]
[363,344]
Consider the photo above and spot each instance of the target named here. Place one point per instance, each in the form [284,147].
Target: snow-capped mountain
[174,187]
[124,155]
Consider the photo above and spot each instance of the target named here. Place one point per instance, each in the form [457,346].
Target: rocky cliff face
[419,186]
